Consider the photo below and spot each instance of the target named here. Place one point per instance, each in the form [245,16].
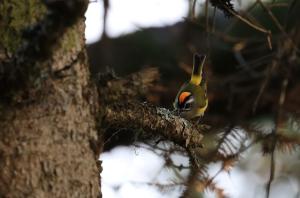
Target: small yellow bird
[191,100]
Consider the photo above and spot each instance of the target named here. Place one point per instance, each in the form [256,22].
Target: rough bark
[47,126]
[154,121]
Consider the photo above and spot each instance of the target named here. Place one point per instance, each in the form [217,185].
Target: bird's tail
[197,69]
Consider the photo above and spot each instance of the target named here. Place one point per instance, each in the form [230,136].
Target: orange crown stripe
[183,96]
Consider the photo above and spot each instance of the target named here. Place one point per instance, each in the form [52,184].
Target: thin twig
[282,98]
[254,26]
[234,22]
[275,131]
[271,15]
[112,135]
[251,24]
[213,177]
[106,7]
[272,170]
[242,62]
[214,20]
[194,10]
[279,4]
[263,86]
[206,17]
[207,28]
[277,23]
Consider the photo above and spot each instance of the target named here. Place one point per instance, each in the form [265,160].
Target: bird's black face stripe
[187,103]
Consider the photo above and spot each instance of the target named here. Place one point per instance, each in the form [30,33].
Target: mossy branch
[154,121]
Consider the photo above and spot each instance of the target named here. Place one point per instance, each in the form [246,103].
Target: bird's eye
[188,105]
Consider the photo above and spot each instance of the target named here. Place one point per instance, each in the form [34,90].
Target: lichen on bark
[15,16]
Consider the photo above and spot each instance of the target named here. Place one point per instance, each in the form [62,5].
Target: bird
[191,100]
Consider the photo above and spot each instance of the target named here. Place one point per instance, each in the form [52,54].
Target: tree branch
[153,121]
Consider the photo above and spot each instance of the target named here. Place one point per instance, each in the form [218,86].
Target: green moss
[71,40]
[15,15]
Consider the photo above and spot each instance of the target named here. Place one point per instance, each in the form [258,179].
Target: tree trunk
[48,126]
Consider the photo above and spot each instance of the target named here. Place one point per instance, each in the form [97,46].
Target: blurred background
[253,60]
